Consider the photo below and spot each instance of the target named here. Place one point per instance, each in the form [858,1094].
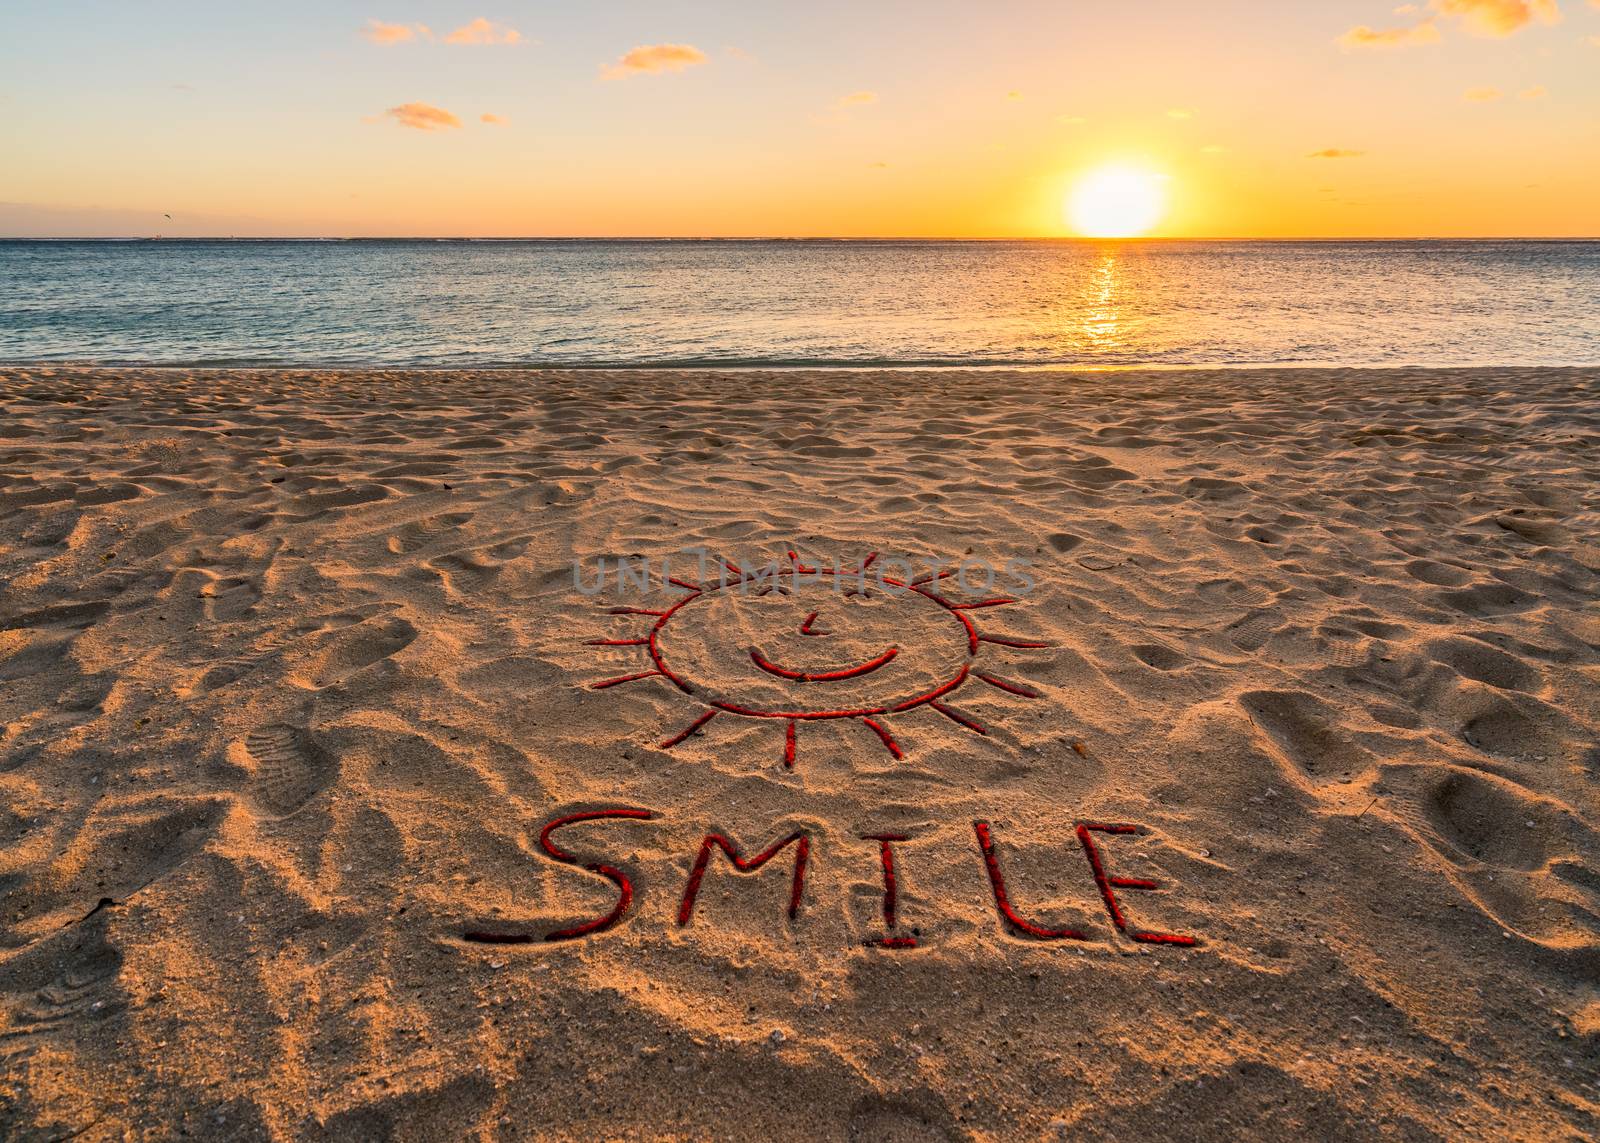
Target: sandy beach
[1115,753]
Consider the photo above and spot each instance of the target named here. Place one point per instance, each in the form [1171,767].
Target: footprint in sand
[1489,820]
[59,615]
[230,670]
[1305,732]
[72,979]
[290,768]
[465,573]
[1487,599]
[1485,664]
[1524,860]
[1159,656]
[1440,575]
[1537,527]
[420,533]
[1341,648]
[1233,592]
[1523,729]
[923,1118]
[352,649]
[1251,632]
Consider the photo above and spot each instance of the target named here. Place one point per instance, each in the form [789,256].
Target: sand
[294,671]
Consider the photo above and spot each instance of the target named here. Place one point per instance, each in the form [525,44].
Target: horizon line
[794,238]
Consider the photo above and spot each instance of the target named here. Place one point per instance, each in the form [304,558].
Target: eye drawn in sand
[816,643]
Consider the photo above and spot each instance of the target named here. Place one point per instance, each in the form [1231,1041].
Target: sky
[1270,118]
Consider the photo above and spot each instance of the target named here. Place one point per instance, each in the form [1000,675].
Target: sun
[814,644]
[1117,202]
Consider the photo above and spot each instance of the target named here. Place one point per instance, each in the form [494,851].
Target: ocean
[576,303]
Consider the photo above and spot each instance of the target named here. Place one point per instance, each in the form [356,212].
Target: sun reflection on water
[1100,327]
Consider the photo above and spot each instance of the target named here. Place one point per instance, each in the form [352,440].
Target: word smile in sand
[823,643]
[799,844]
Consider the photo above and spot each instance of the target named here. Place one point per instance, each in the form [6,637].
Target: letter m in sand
[799,839]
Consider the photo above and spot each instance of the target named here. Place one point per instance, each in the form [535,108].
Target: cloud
[481,31]
[423,117]
[878,166]
[380,33]
[1537,91]
[493,120]
[1498,18]
[1362,36]
[1014,96]
[1482,94]
[840,110]
[1180,113]
[1492,18]
[1335,153]
[855,99]
[654,59]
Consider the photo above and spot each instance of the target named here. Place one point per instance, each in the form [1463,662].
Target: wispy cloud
[1492,18]
[654,59]
[841,110]
[493,120]
[1180,113]
[1362,36]
[1482,94]
[1014,96]
[1335,153]
[1537,91]
[1499,18]
[482,31]
[380,33]
[423,117]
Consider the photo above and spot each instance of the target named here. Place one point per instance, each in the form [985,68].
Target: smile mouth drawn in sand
[921,647]
[869,666]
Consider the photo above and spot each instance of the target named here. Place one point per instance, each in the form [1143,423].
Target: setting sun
[1116,202]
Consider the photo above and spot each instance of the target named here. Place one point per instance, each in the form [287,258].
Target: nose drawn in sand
[807,644]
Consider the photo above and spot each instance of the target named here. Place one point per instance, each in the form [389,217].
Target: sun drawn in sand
[817,643]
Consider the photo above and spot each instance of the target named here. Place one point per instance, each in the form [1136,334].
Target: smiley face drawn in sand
[818,643]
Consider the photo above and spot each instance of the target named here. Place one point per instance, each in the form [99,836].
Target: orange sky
[1455,117]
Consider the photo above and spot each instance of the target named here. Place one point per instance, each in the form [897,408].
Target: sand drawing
[895,645]
[802,841]
[819,643]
